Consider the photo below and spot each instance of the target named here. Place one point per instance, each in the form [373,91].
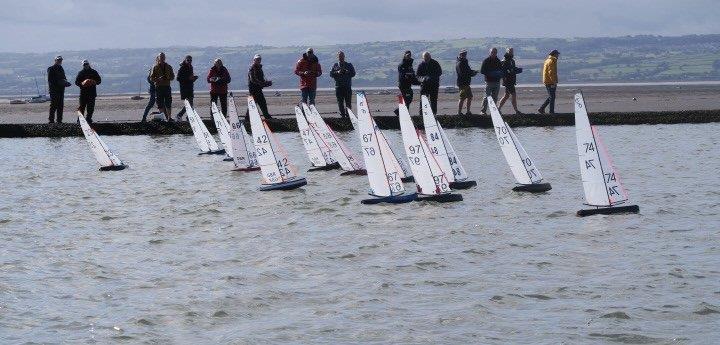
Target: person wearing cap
[429,72]
[308,69]
[406,79]
[492,70]
[57,82]
[550,79]
[510,79]
[256,82]
[343,72]
[87,80]
[162,74]
[464,76]
[218,77]
[186,79]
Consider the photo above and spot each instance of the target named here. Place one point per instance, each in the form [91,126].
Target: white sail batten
[243,151]
[204,139]
[601,182]
[440,146]
[312,145]
[429,178]
[339,150]
[100,150]
[272,158]
[521,165]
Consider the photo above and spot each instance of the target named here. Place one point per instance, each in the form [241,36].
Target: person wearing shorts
[464,76]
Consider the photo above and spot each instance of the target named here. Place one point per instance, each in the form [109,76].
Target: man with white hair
[256,83]
[429,72]
[87,80]
[57,82]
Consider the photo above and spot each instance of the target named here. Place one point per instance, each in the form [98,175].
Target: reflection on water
[180,249]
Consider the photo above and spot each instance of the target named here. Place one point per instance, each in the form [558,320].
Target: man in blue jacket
[343,72]
[492,70]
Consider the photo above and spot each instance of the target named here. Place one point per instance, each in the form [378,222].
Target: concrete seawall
[288,124]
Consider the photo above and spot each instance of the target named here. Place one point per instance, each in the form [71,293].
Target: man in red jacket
[308,69]
[219,78]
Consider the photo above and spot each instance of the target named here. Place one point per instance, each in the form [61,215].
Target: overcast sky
[48,26]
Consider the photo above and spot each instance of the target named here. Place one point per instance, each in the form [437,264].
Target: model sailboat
[601,181]
[204,139]
[442,149]
[523,168]
[316,149]
[243,155]
[278,173]
[338,149]
[223,130]
[384,174]
[432,182]
[107,159]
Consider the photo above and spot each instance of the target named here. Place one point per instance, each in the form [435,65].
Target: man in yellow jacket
[550,79]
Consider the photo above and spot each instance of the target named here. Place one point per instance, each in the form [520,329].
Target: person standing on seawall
[343,72]
[151,97]
[510,79]
[308,69]
[429,72]
[492,70]
[464,76]
[162,74]
[218,77]
[186,79]
[550,79]
[86,80]
[256,83]
[406,79]
[57,82]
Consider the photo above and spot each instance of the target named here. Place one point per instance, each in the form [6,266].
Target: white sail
[522,167]
[102,152]
[440,146]
[385,179]
[396,164]
[243,150]
[318,157]
[272,157]
[223,129]
[601,182]
[339,150]
[429,178]
[205,141]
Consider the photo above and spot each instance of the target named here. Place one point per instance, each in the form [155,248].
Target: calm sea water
[179,249]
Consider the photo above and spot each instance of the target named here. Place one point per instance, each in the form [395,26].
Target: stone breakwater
[288,124]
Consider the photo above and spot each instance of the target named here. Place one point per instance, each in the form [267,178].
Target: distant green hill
[617,59]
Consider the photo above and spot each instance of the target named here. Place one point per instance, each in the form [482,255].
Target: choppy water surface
[178,249]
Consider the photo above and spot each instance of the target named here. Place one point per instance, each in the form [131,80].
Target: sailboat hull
[533,188]
[247,169]
[609,210]
[332,166]
[447,197]
[287,185]
[393,199]
[216,152]
[462,184]
[113,167]
[361,172]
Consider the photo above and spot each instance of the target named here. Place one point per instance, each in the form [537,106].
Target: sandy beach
[632,98]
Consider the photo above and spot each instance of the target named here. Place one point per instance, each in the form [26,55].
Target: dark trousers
[151,103]
[87,106]
[344,99]
[431,91]
[57,102]
[407,95]
[214,97]
[261,103]
[307,95]
[551,98]
[182,108]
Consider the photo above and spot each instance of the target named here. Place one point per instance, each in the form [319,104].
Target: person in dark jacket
[86,80]
[151,96]
[186,78]
[308,69]
[464,76]
[219,78]
[429,72]
[492,70]
[162,75]
[509,80]
[57,82]
[343,72]
[406,79]
[256,83]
